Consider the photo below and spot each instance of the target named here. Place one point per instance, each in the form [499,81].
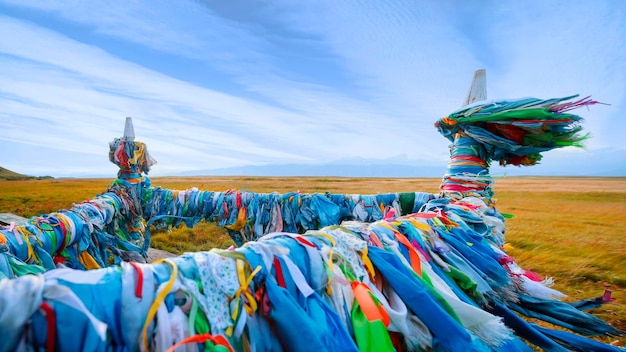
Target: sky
[231,84]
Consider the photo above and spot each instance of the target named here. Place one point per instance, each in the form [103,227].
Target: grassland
[572,229]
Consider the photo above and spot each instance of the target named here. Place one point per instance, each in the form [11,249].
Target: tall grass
[573,229]
[33,197]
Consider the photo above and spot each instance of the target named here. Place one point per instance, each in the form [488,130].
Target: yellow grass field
[571,229]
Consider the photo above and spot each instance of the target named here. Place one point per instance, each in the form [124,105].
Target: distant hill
[6,174]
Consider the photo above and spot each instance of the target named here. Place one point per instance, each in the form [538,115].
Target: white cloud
[292,82]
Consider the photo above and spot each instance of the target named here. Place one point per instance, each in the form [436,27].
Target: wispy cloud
[78,98]
[221,84]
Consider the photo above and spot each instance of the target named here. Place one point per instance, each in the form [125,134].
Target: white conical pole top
[478,88]
[129,131]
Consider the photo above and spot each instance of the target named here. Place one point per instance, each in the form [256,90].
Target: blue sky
[222,84]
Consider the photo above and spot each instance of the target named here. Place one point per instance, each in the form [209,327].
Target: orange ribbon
[372,309]
[201,338]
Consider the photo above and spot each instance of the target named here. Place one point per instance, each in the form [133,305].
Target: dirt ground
[154,254]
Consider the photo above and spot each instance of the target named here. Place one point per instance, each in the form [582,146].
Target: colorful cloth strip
[516,132]
[399,284]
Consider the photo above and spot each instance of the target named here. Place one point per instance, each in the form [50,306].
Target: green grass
[572,229]
[202,237]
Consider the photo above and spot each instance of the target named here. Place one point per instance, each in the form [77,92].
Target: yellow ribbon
[368,263]
[87,260]
[137,153]
[240,222]
[159,299]
[329,288]
[420,225]
[250,305]
[25,235]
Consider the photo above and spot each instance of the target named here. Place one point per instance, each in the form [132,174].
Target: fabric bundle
[425,281]
[131,157]
[516,132]
[112,226]
[248,215]
[468,170]
[513,132]
[93,234]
